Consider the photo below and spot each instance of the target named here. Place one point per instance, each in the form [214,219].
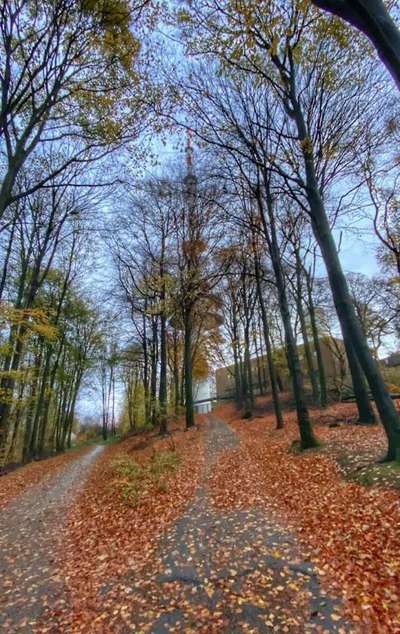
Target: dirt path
[231,572]
[31,528]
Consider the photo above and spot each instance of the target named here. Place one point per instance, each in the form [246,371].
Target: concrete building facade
[334,360]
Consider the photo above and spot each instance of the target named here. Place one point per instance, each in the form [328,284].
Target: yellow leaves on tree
[200,364]
[35,320]
[114,35]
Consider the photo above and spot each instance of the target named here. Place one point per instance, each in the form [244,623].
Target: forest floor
[14,482]
[224,528]
[30,535]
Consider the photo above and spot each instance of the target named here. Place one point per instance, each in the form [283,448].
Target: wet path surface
[31,527]
[231,572]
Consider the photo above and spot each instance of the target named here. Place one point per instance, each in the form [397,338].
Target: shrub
[134,479]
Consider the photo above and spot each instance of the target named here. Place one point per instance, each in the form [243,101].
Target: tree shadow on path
[235,571]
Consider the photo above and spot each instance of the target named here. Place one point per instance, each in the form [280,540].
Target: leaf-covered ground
[174,562]
[351,532]
[31,533]
[15,482]
[225,528]
[107,537]
[234,570]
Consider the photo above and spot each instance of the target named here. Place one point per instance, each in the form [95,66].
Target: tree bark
[373,19]
[307,437]
[365,411]
[351,327]
[267,339]
[238,377]
[323,398]
[303,327]
[188,367]
[162,395]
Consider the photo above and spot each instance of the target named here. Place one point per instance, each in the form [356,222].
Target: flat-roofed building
[333,357]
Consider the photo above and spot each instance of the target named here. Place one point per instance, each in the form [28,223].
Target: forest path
[31,531]
[236,571]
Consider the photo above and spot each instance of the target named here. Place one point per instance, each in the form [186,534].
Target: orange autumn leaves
[351,532]
[107,538]
[12,484]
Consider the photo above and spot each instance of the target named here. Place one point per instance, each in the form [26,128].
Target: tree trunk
[373,19]
[307,437]
[146,369]
[365,411]
[153,375]
[163,375]
[7,384]
[323,398]
[176,371]
[268,346]
[303,328]
[188,367]
[236,361]
[7,258]
[350,325]
[258,361]
[247,379]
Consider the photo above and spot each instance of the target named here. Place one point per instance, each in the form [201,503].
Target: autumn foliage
[346,529]
[14,483]
[350,531]
[108,537]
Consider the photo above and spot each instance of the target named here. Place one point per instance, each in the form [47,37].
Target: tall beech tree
[197,235]
[69,74]
[373,18]
[295,73]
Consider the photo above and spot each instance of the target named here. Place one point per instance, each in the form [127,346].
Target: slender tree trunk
[147,409]
[258,362]
[7,259]
[350,325]
[307,437]
[61,419]
[268,346]
[365,411]
[264,359]
[188,367]
[182,386]
[163,387]
[247,383]
[175,371]
[47,398]
[303,328]
[238,376]
[8,382]
[40,423]
[18,417]
[104,429]
[66,409]
[317,347]
[163,374]
[153,377]
[71,414]
[113,427]
[267,340]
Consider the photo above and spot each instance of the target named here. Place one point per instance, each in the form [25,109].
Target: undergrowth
[134,479]
[387,474]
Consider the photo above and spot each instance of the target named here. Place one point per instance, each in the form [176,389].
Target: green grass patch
[384,475]
[133,480]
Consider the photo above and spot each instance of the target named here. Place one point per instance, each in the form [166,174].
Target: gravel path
[31,529]
[231,572]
